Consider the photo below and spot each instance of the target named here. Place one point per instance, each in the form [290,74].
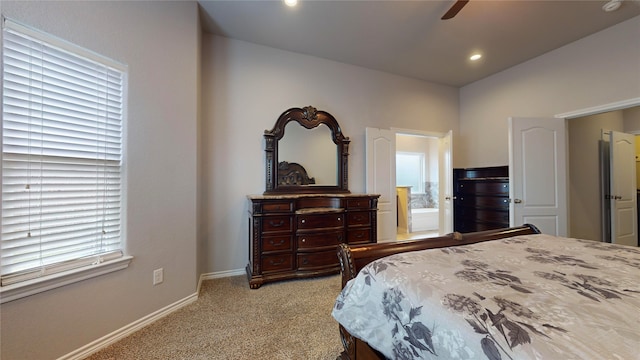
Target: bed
[500,294]
[290,173]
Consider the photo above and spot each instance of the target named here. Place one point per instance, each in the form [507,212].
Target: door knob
[517,201]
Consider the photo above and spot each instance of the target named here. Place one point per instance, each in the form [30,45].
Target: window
[62,121]
[410,170]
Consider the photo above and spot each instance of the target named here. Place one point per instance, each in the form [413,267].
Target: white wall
[245,88]
[600,69]
[159,42]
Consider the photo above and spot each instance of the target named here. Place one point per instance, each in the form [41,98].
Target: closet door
[623,194]
[537,174]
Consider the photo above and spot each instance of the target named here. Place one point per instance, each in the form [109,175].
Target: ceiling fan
[453,11]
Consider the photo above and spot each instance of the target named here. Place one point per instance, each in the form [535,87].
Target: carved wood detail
[308,117]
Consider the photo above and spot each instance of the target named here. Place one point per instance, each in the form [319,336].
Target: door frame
[442,210]
[623,205]
[593,110]
[439,136]
[618,105]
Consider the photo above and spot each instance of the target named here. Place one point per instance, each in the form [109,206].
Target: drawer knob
[277,262]
[304,240]
[303,221]
[339,218]
[278,243]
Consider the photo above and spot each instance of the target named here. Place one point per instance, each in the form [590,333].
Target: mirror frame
[308,117]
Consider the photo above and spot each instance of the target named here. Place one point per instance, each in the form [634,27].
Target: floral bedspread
[525,297]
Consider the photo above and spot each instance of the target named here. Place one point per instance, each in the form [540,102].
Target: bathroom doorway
[417,185]
[381,148]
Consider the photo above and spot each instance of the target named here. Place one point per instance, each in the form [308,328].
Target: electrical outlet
[158,276]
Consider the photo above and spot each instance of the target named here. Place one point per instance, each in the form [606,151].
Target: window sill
[35,286]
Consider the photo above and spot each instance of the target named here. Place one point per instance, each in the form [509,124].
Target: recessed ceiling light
[291,2]
[612,5]
[475,57]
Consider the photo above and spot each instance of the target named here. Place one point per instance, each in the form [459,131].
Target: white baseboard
[219,274]
[127,330]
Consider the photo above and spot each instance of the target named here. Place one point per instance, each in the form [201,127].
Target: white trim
[403,131]
[61,43]
[618,105]
[127,330]
[35,286]
[219,274]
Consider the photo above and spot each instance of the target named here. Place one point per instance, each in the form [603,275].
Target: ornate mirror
[311,158]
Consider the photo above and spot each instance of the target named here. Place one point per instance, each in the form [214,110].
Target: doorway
[588,218]
[576,202]
[380,160]
[417,186]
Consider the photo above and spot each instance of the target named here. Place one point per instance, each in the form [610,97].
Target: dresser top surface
[300,196]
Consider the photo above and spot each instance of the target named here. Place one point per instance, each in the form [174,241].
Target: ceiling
[408,38]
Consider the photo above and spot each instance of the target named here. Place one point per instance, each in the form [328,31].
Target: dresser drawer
[280,206]
[358,203]
[315,221]
[359,218]
[276,243]
[312,241]
[321,202]
[484,187]
[281,262]
[497,202]
[276,223]
[492,216]
[481,226]
[307,261]
[359,236]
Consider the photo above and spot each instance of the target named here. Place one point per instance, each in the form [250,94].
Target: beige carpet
[288,320]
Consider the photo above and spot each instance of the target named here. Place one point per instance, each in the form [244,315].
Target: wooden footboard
[355,257]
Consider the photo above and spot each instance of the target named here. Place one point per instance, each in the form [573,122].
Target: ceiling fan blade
[453,11]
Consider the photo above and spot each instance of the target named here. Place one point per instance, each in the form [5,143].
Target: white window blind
[61,156]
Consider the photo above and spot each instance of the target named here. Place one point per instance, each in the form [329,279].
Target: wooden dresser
[481,198]
[296,235]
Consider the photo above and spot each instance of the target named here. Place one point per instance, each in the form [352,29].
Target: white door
[538,173]
[445,174]
[380,162]
[623,188]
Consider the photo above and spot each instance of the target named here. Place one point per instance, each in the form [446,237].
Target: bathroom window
[410,171]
